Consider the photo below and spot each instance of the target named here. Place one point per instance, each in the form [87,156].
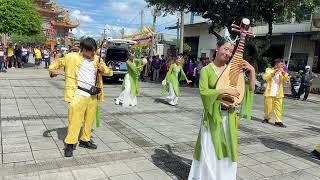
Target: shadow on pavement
[160,100]
[288,148]
[173,164]
[62,133]
[28,65]
[312,128]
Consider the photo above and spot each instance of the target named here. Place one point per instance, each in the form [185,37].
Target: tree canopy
[225,12]
[38,39]
[19,17]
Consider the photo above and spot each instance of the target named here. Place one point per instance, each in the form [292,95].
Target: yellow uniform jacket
[267,76]
[71,63]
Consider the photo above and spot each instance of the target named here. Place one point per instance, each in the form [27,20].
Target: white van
[116,56]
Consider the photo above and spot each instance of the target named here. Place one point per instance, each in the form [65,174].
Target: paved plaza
[153,141]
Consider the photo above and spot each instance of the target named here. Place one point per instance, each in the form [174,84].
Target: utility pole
[142,20]
[181,32]
[153,36]
[122,32]
[155,13]
[178,35]
[290,50]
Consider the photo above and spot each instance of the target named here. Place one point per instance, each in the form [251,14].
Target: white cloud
[121,7]
[116,14]
[124,9]
[83,18]
[114,31]
[79,32]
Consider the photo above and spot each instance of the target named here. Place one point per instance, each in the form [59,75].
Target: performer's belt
[92,91]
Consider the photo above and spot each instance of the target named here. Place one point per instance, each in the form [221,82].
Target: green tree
[19,17]
[38,39]
[186,49]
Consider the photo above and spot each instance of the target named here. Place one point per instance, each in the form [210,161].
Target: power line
[167,22]
[134,18]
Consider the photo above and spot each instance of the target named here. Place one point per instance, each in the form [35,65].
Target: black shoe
[315,154]
[304,99]
[88,145]
[68,150]
[280,124]
[265,121]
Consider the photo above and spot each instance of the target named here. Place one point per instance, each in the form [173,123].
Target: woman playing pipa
[216,150]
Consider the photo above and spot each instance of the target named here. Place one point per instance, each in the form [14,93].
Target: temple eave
[65,25]
[41,1]
[49,11]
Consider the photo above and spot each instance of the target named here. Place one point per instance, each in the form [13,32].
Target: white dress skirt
[126,98]
[172,99]
[209,167]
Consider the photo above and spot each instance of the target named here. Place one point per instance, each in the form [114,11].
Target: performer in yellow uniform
[316,153]
[83,88]
[273,94]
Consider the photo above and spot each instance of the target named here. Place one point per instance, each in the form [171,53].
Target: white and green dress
[216,150]
[172,84]
[130,85]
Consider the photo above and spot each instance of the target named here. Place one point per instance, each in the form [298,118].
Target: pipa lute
[233,75]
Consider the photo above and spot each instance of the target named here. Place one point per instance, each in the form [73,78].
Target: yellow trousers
[318,148]
[81,113]
[270,104]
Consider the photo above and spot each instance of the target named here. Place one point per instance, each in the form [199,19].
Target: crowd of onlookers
[158,66]
[15,56]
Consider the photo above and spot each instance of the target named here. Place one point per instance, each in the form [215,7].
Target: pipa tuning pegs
[235,26]
[250,34]
[235,30]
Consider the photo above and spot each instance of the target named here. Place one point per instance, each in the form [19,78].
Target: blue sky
[94,15]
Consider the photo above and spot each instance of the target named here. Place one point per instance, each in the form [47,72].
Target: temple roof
[50,10]
[60,14]
[41,1]
[66,24]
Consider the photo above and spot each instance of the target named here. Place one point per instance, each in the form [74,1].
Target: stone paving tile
[88,174]
[297,164]
[57,176]
[154,175]
[279,177]
[119,146]
[28,176]
[314,171]
[264,170]
[13,134]
[303,175]
[261,157]
[126,177]
[17,157]
[246,160]
[278,155]
[248,174]
[46,154]
[140,165]
[282,167]
[12,148]
[116,169]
